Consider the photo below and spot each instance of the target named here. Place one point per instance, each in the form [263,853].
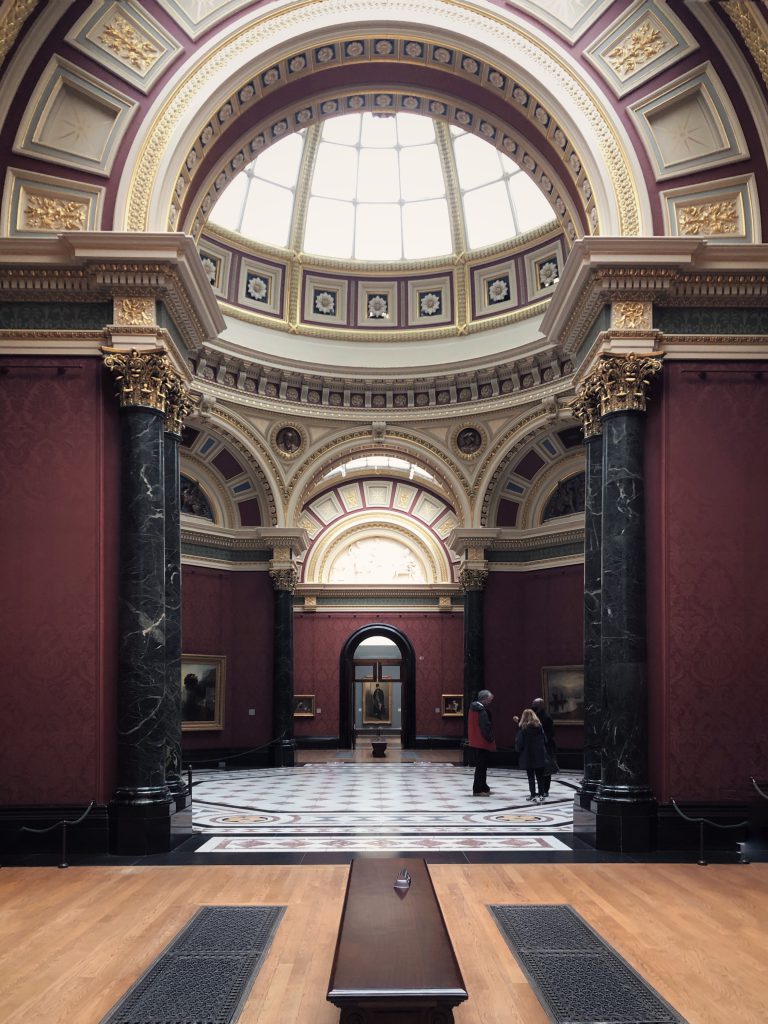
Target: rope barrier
[701,822]
[63,825]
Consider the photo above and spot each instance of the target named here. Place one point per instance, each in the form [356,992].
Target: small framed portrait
[377,708]
[202,691]
[452,705]
[303,705]
[563,692]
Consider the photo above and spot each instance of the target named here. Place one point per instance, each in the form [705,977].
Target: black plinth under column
[474,668]
[593,518]
[141,807]
[174,775]
[282,693]
[626,810]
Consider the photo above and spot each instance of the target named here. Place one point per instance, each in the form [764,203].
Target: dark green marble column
[177,407]
[586,409]
[472,581]
[626,809]
[284,581]
[141,806]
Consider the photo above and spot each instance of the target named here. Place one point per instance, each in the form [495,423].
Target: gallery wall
[706,492]
[532,620]
[59,466]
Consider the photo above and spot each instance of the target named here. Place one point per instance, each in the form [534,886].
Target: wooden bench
[394,960]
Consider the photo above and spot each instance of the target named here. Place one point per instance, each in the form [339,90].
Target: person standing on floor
[531,746]
[548,725]
[480,739]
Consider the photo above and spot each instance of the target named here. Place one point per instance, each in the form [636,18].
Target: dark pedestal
[284,754]
[140,829]
[626,828]
[379,748]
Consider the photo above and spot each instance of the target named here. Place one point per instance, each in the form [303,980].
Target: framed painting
[377,704]
[563,691]
[452,705]
[202,691]
[303,705]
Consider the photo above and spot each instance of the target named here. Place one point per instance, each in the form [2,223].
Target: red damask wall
[231,613]
[438,643]
[706,495]
[532,619]
[59,467]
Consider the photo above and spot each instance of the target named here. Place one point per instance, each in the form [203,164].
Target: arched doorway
[387,659]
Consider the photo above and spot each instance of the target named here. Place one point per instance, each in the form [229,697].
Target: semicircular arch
[523,57]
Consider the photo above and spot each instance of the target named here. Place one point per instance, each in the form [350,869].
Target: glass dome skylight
[378,188]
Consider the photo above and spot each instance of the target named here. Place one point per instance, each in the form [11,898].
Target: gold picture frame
[202,691]
[562,688]
[452,705]
[303,705]
[377,703]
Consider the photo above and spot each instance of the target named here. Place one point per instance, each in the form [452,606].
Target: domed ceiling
[384,195]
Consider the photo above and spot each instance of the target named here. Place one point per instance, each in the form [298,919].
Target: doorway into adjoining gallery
[377,686]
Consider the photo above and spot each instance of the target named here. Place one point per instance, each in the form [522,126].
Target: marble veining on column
[142,681]
[624,728]
[593,542]
[172,704]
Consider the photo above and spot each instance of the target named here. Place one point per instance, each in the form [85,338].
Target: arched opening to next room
[377,685]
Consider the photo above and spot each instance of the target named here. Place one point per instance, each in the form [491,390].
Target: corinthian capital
[472,578]
[142,378]
[621,382]
[586,409]
[284,579]
[178,405]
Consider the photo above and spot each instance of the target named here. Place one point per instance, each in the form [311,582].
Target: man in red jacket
[480,739]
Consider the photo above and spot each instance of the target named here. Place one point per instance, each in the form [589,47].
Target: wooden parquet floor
[72,941]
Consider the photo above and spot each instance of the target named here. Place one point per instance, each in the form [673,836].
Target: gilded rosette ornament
[178,404]
[142,378]
[285,579]
[621,382]
[472,578]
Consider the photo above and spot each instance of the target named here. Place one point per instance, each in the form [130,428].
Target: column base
[284,754]
[180,795]
[626,826]
[140,828]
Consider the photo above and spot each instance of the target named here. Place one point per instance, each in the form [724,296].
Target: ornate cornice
[620,383]
[526,378]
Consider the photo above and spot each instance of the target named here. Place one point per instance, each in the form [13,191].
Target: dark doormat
[205,974]
[578,978]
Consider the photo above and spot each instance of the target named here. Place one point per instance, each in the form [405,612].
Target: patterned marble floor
[349,807]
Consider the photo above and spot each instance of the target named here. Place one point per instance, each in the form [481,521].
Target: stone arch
[239,68]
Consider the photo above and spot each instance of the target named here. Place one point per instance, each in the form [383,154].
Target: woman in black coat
[531,746]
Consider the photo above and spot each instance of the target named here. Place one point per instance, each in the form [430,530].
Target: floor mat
[578,978]
[205,974]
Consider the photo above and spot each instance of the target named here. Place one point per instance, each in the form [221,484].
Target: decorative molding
[138,312]
[12,18]
[752,28]
[645,40]
[727,209]
[632,316]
